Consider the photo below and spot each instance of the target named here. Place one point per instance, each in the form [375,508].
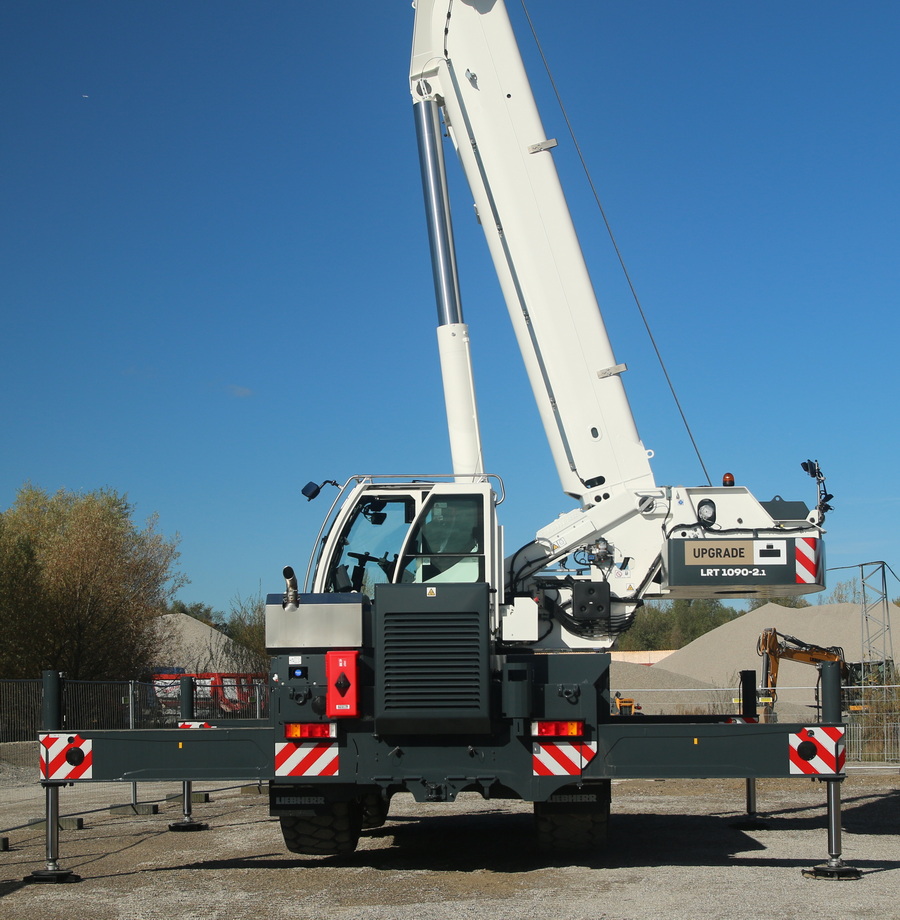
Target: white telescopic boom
[466,60]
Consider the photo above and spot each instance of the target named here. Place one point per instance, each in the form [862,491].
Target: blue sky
[215,282]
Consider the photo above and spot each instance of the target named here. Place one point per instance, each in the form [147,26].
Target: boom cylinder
[453,334]
[437,213]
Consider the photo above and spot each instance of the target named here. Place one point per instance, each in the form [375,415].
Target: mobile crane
[418,656]
[467,670]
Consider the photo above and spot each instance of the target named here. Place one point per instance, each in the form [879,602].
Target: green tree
[673,624]
[796,602]
[202,612]
[649,632]
[247,627]
[81,586]
[844,592]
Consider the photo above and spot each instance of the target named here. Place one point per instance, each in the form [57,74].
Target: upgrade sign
[729,566]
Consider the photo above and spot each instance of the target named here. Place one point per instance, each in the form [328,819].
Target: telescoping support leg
[752,822]
[751,797]
[748,712]
[51,717]
[835,869]
[187,823]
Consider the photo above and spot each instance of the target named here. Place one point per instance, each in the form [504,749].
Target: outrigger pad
[836,873]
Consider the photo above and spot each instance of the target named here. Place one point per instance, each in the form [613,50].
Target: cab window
[448,543]
[368,549]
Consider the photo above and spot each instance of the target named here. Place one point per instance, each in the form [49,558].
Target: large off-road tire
[375,810]
[572,825]
[335,833]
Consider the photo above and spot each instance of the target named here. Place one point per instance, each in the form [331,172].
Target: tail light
[570,729]
[301,730]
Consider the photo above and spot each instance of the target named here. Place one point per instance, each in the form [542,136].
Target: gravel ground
[680,849]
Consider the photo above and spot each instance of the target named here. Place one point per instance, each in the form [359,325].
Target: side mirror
[311,490]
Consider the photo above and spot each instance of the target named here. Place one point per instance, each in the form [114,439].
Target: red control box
[341,697]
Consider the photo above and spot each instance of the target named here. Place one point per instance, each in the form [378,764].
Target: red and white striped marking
[809,561]
[818,750]
[561,758]
[194,725]
[306,758]
[66,757]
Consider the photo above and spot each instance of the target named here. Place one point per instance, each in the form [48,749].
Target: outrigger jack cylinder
[187,823]
[748,711]
[835,869]
[51,717]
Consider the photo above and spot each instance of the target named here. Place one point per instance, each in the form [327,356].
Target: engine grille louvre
[431,661]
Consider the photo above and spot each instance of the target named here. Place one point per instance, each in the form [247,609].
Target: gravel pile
[723,652]
[195,646]
[657,690]
[716,659]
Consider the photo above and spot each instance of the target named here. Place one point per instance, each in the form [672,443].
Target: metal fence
[873,731]
[20,709]
[127,704]
[873,728]
[877,742]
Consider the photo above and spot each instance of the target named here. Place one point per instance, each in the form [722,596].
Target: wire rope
[615,243]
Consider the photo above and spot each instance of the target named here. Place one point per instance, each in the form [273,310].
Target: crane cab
[424,532]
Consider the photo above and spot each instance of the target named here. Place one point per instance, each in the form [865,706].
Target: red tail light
[296,730]
[558,729]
